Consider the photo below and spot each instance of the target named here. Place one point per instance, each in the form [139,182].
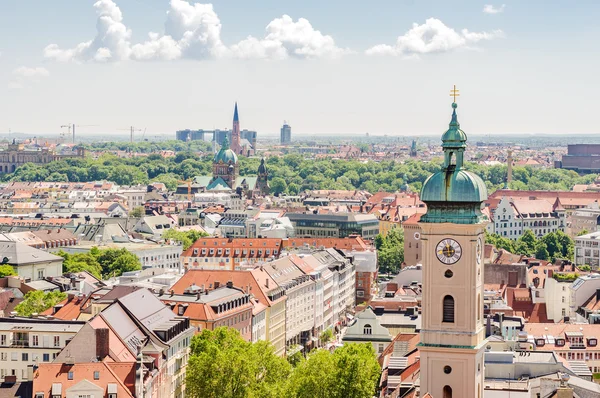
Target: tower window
[448,273]
[448,310]
[447,369]
[447,392]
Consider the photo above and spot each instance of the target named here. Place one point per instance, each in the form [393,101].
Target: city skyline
[326,69]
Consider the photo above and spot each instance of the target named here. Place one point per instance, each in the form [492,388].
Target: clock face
[478,251]
[448,251]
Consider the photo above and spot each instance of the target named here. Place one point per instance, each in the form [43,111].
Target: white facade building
[512,217]
[587,251]
[25,342]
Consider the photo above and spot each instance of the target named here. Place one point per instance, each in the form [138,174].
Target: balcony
[19,343]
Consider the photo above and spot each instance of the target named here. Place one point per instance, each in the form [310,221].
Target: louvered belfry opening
[448,315]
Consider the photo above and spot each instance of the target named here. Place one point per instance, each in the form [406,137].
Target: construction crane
[131,131]
[72,126]
[189,186]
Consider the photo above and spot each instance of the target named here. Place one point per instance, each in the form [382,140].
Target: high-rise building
[235,132]
[453,333]
[286,134]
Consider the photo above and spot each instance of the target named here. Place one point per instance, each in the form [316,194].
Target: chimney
[229,284]
[217,284]
[267,283]
[488,326]
[501,322]
[102,343]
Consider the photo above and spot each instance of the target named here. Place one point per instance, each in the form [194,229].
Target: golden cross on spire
[454,93]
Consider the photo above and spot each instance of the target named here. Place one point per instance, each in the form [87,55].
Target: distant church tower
[236,146]
[413,149]
[262,183]
[453,333]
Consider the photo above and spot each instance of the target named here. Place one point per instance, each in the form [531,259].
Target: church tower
[236,146]
[262,182]
[453,333]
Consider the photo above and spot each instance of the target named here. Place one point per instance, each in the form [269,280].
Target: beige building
[453,333]
[15,156]
[412,240]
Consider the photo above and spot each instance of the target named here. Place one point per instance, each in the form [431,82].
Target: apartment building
[300,304]
[270,322]
[209,309]
[25,342]
[514,216]
[587,251]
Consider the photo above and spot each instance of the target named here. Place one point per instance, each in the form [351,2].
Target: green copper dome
[456,186]
[225,154]
[454,194]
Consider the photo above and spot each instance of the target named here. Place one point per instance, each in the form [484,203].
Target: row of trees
[187,238]
[390,250]
[223,365]
[290,174]
[549,247]
[102,263]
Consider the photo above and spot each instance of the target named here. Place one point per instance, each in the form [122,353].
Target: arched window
[478,306]
[367,329]
[447,392]
[448,313]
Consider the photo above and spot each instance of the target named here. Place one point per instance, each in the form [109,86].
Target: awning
[57,389]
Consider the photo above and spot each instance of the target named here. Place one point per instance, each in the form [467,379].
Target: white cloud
[286,38]
[27,72]
[193,30]
[110,44]
[432,37]
[490,9]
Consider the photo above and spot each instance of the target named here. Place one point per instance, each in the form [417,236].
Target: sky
[326,67]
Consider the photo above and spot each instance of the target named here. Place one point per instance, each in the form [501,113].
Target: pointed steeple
[225,145]
[235,114]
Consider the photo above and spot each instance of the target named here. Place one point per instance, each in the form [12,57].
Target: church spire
[235,114]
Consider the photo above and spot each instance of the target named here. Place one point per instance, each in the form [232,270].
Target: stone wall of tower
[452,353]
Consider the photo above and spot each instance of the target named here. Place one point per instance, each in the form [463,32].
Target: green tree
[278,186]
[541,251]
[390,250]
[116,261]
[81,262]
[350,371]
[583,232]
[137,212]
[326,336]
[187,238]
[529,240]
[38,301]
[7,270]
[223,365]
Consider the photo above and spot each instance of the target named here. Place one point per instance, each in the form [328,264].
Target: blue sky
[347,67]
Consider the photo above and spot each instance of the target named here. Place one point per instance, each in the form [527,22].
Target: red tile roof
[120,374]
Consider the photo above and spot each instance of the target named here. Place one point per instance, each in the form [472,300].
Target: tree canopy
[289,174]
[550,246]
[187,238]
[222,364]
[38,301]
[390,250]
[102,263]
[7,270]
